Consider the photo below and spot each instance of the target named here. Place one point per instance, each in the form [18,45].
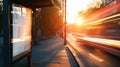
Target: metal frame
[27,53]
[7,48]
[65,42]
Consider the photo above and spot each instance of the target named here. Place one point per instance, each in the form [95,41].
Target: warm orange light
[79,21]
[108,42]
[74,7]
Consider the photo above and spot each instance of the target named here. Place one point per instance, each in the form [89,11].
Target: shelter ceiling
[35,3]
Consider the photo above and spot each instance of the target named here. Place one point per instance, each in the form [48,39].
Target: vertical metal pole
[65,26]
[30,59]
[33,27]
[32,31]
[7,48]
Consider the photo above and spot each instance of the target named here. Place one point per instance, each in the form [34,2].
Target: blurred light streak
[21,39]
[103,19]
[103,12]
[109,42]
[97,58]
[113,19]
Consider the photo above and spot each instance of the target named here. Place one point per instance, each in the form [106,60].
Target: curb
[74,54]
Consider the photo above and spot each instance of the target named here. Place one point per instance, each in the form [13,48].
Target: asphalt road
[92,56]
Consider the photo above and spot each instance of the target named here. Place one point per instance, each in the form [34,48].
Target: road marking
[76,57]
[97,58]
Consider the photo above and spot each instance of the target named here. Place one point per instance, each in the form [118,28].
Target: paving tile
[53,65]
[64,60]
[65,65]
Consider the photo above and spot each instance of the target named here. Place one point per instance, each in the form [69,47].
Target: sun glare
[79,21]
[74,7]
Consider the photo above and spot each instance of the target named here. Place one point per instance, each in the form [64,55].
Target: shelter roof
[35,3]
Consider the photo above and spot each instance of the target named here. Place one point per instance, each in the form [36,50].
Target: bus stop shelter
[13,9]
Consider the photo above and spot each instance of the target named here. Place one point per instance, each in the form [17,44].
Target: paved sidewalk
[48,53]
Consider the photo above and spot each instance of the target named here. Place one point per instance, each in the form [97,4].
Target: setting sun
[79,21]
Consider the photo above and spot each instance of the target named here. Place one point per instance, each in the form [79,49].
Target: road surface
[92,56]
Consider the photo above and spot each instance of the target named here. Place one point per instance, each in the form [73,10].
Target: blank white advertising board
[21,29]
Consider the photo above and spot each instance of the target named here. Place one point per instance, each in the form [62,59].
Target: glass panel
[21,29]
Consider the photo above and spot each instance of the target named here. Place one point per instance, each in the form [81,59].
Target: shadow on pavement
[48,53]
